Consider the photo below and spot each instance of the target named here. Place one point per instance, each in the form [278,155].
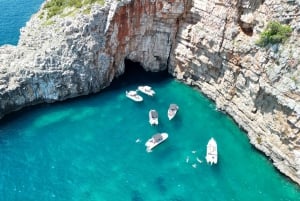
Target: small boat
[173,108]
[212,152]
[134,96]
[155,140]
[153,117]
[146,90]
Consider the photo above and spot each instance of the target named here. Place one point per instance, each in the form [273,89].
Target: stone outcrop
[207,44]
[75,53]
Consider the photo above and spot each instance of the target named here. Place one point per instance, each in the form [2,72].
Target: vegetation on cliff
[55,7]
[274,33]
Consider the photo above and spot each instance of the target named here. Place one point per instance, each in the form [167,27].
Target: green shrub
[41,16]
[274,33]
[75,3]
[258,140]
[56,7]
[90,1]
[101,2]
[87,10]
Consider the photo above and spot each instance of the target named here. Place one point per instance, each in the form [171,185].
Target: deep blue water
[13,15]
[86,149]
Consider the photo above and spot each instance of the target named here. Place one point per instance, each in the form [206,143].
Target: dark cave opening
[135,75]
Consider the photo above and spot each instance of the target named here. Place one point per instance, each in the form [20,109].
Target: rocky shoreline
[207,44]
[216,52]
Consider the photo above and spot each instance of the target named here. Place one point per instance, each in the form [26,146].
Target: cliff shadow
[135,75]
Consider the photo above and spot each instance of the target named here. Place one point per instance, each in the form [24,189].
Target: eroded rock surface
[258,87]
[75,53]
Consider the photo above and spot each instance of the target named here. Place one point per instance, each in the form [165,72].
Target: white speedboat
[155,140]
[212,152]
[134,96]
[153,117]
[146,90]
[173,108]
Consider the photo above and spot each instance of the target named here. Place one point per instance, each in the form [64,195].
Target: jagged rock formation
[81,53]
[208,44]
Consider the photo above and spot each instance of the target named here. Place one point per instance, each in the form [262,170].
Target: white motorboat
[173,108]
[155,140]
[146,90]
[134,96]
[153,117]
[212,152]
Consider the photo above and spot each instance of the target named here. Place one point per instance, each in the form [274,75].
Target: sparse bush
[274,33]
[258,140]
[56,7]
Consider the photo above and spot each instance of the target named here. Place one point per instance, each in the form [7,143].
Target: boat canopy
[157,137]
[173,106]
[154,114]
[132,93]
[148,88]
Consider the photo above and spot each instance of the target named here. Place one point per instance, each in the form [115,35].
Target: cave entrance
[135,72]
[136,75]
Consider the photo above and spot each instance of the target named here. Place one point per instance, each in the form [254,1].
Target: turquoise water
[86,149]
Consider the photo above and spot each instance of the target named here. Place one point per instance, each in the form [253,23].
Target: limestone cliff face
[79,53]
[207,44]
[258,87]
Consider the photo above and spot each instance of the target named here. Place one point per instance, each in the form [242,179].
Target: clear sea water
[13,15]
[86,149]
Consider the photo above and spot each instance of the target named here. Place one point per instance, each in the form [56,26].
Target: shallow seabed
[87,149]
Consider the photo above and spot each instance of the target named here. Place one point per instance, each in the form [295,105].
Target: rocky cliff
[207,44]
[259,87]
[83,49]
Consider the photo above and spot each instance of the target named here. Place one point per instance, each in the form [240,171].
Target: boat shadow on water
[215,169]
[177,122]
[160,184]
[136,196]
[161,151]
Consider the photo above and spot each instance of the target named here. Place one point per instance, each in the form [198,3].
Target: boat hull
[172,111]
[133,96]
[171,115]
[150,144]
[146,90]
[212,152]
[153,120]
